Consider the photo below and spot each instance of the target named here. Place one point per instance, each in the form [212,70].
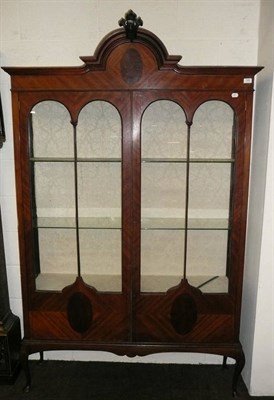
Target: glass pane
[163,131]
[211,132]
[58,259]
[54,194]
[101,258]
[161,259]
[206,260]
[52,131]
[99,131]
[53,203]
[209,195]
[210,172]
[99,137]
[163,193]
[99,194]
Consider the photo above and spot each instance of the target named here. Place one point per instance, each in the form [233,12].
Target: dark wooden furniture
[132,183]
[10,332]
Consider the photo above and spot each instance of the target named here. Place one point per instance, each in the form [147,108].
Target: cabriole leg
[240,362]
[41,357]
[224,362]
[24,358]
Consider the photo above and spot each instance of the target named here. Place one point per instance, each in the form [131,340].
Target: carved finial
[131,24]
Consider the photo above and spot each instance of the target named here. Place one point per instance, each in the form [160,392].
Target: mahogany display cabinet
[132,190]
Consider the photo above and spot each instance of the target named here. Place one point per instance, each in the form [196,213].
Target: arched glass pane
[163,131]
[99,131]
[53,195]
[52,130]
[99,137]
[163,186]
[211,132]
[210,172]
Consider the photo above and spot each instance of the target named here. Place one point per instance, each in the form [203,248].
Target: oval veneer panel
[183,314]
[131,66]
[79,312]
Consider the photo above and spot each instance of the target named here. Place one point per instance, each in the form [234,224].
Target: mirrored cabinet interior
[132,186]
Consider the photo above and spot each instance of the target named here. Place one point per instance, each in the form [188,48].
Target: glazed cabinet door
[76,157]
[186,215]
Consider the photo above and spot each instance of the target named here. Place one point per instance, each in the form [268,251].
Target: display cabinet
[132,184]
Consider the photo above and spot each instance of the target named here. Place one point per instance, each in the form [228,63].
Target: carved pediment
[130,32]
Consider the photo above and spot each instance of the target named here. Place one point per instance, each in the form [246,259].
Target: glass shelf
[57,281]
[207,284]
[71,159]
[85,223]
[184,160]
[179,223]
[150,283]
[156,223]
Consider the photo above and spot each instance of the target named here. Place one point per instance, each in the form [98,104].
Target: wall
[258,301]
[56,33]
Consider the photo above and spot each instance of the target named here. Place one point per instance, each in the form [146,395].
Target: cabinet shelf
[179,224]
[144,160]
[57,281]
[146,223]
[206,283]
[149,283]
[71,159]
[191,160]
[84,223]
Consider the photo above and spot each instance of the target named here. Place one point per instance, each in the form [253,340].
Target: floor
[71,380]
